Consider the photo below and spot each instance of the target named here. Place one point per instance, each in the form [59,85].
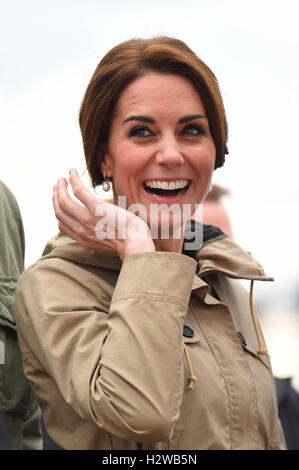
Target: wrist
[138,246]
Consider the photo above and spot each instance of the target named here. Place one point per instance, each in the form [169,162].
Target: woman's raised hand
[96,224]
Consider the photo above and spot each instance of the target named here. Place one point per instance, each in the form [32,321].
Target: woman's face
[160,149]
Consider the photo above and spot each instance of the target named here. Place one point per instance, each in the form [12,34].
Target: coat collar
[219,253]
[227,257]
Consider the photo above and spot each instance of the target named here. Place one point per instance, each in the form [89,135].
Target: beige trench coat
[147,354]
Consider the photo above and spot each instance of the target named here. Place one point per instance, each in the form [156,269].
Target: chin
[166,225]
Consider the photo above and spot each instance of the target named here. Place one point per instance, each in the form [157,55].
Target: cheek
[126,161]
[128,164]
[205,163]
[131,165]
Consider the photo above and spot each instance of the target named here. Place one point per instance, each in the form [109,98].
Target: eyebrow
[192,117]
[150,120]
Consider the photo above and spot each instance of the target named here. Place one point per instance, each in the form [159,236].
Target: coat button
[243,340]
[188,332]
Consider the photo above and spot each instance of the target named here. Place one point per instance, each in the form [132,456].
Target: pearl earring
[106,184]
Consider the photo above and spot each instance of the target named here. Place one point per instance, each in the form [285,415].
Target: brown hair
[125,63]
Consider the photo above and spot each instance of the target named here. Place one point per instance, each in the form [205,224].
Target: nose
[168,153]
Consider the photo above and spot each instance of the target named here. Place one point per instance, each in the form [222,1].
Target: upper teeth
[166,185]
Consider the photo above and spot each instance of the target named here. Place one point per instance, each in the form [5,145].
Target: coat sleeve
[119,363]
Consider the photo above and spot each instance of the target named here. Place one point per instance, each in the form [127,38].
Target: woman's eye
[140,131]
[193,130]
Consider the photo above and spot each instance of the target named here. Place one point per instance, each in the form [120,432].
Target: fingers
[68,231]
[65,203]
[81,192]
[76,220]
[98,225]
[69,213]
[63,218]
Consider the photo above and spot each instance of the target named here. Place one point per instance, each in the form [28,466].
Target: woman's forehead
[155,91]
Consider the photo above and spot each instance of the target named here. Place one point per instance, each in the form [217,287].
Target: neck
[173,245]
[172,240]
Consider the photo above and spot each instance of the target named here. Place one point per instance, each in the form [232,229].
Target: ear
[105,162]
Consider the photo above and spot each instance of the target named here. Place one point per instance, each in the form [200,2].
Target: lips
[166,189]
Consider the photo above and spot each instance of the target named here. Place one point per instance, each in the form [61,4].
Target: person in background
[4,442]
[213,211]
[20,413]
[288,409]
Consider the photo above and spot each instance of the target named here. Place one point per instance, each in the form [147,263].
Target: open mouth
[166,188]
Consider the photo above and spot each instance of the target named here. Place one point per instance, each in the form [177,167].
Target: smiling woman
[135,341]
[160,149]
[134,59]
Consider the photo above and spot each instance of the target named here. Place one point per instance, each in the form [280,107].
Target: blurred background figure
[214,212]
[280,326]
[20,413]
[281,329]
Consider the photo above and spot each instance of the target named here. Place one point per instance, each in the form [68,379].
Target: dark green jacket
[12,247]
[18,407]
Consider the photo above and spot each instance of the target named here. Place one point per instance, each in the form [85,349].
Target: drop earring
[106,184]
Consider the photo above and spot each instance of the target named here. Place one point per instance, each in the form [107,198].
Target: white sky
[49,49]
